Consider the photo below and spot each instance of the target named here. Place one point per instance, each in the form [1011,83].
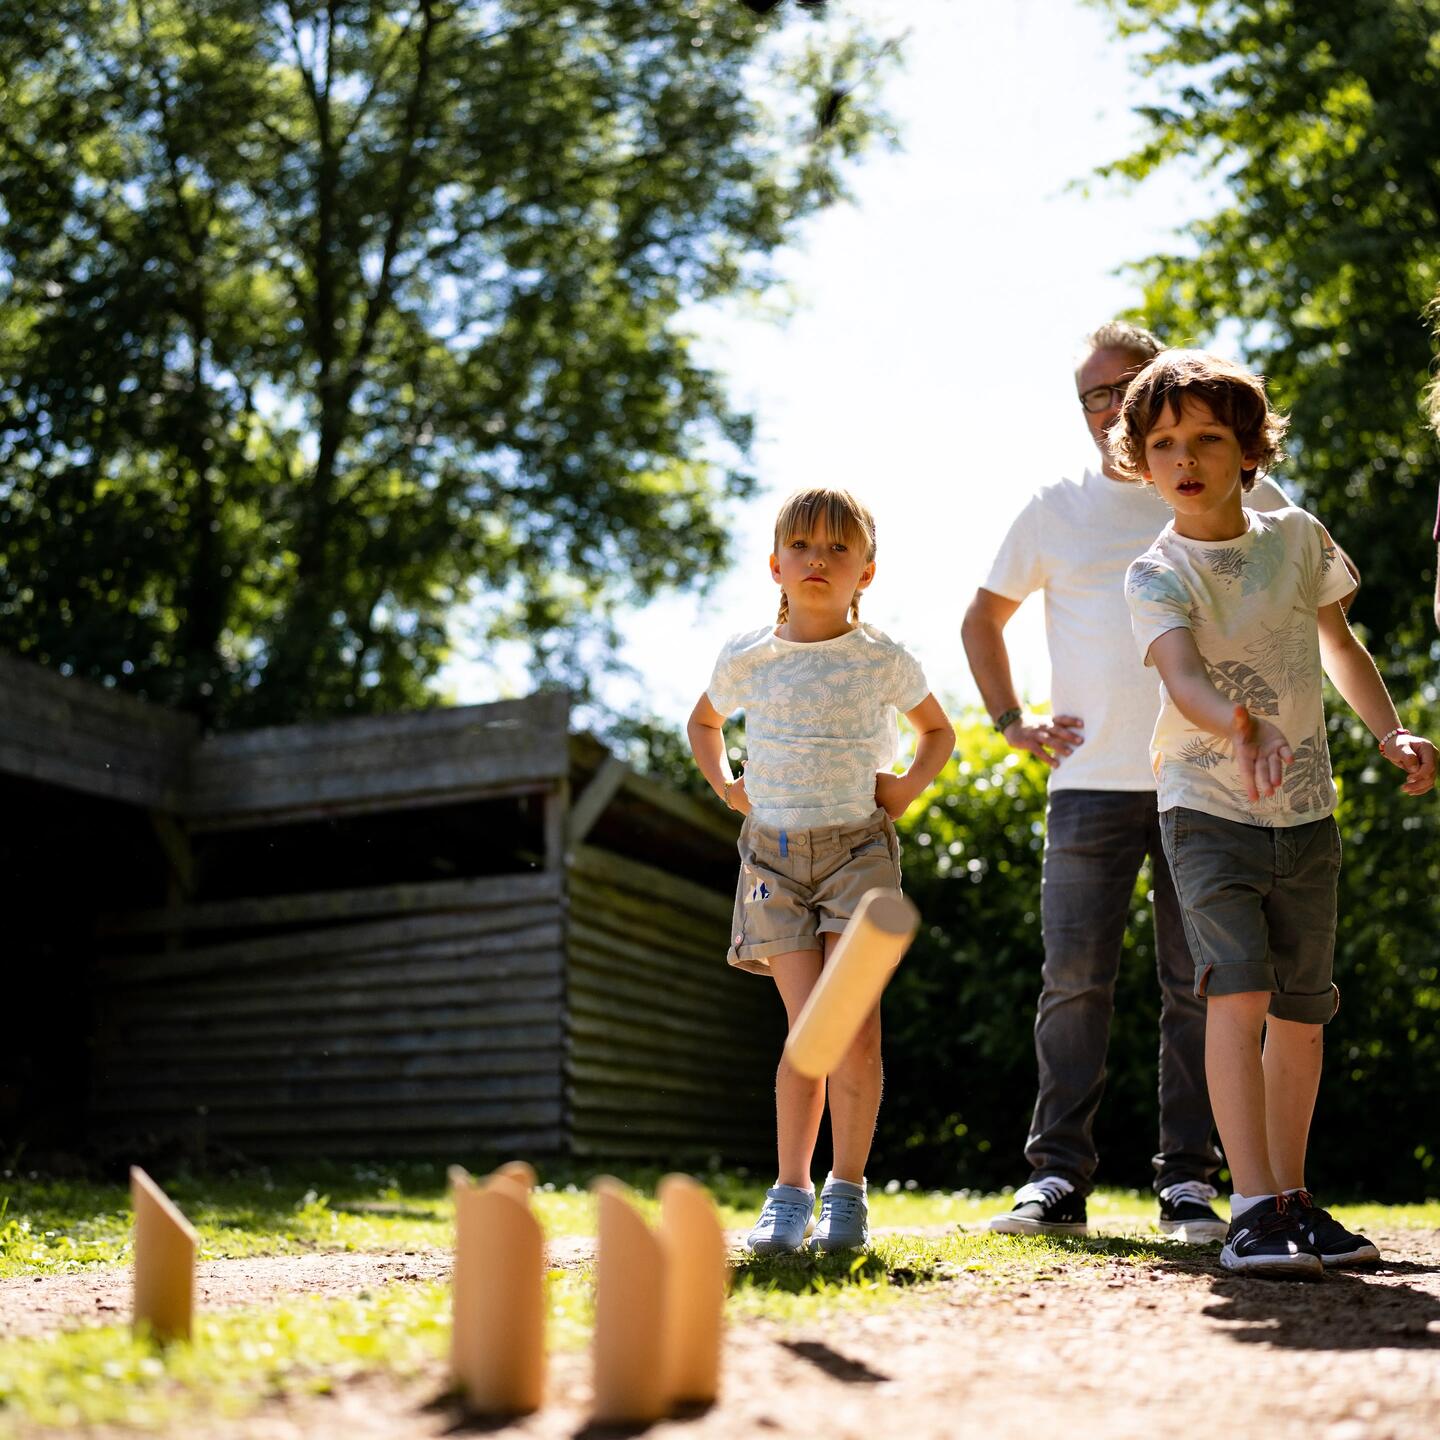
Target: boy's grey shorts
[796,885]
[1259,908]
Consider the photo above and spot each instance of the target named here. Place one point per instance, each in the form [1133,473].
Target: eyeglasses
[1102,397]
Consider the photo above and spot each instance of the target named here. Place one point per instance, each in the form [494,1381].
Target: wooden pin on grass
[165,1243]
[497,1340]
[873,943]
[695,1281]
[630,1293]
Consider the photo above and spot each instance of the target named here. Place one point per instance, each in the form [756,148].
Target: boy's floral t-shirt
[1251,605]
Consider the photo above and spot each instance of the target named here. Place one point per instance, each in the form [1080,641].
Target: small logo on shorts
[758,891]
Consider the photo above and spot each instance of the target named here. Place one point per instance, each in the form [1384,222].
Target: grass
[51,1226]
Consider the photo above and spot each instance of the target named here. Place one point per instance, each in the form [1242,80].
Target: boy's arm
[983,635]
[707,743]
[1353,673]
[934,744]
[1261,751]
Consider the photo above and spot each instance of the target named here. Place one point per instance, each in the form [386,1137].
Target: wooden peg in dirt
[165,1244]
[497,1340]
[875,939]
[695,1282]
[629,1349]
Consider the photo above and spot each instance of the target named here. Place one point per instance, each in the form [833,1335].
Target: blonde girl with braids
[820,690]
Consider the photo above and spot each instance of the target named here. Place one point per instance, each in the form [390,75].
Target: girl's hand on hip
[893,794]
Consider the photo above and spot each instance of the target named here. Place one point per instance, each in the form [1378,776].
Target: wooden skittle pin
[629,1353]
[872,945]
[695,1279]
[165,1244]
[497,1339]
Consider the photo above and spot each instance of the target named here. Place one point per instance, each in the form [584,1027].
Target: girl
[820,692]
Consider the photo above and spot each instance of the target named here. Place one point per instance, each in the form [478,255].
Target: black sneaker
[1048,1206]
[1267,1239]
[1186,1216]
[1328,1237]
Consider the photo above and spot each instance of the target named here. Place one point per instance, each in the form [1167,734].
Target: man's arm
[983,634]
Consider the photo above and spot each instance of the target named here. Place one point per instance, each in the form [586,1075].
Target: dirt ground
[1125,1352]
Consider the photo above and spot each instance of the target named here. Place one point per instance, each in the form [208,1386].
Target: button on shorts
[1259,908]
[797,885]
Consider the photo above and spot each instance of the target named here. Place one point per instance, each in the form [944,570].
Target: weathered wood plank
[335,1120]
[462,1142]
[591,803]
[711,818]
[417,898]
[652,882]
[353,940]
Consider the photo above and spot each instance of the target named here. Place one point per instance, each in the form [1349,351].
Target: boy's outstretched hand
[1416,756]
[1261,752]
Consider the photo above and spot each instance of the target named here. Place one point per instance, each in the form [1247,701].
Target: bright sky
[928,365]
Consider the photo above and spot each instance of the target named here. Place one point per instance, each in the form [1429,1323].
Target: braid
[784,608]
[855,607]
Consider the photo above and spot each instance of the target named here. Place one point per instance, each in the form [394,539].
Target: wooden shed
[448,933]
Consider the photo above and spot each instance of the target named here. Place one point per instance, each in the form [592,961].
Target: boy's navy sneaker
[1047,1206]
[1185,1213]
[1268,1239]
[1334,1244]
[784,1221]
[844,1222]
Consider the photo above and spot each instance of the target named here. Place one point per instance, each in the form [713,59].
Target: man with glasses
[1073,541]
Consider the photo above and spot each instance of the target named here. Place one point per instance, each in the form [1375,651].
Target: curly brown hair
[1234,395]
[843,517]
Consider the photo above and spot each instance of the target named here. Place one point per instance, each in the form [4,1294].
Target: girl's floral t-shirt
[1251,605]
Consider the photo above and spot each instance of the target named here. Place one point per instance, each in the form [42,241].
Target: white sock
[1239,1202]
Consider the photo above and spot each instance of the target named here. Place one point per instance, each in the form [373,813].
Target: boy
[1238,611]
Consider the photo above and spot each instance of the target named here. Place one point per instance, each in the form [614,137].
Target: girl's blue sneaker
[784,1222]
[844,1222]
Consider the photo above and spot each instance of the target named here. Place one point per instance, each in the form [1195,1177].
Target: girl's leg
[1236,1080]
[855,1089]
[799,1102]
[1292,1078]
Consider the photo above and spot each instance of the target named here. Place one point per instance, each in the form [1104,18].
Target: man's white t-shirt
[1250,604]
[1075,541]
[820,719]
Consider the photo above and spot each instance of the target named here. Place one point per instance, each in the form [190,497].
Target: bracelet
[725,794]
[1007,718]
[1390,735]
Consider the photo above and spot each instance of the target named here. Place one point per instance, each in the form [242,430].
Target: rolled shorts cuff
[1306,1009]
[1238,977]
[756,958]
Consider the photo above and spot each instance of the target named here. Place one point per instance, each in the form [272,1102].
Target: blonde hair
[844,518]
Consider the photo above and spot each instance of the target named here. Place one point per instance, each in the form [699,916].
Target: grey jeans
[1095,843]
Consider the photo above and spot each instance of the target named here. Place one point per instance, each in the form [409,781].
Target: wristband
[1007,718]
[1390,735]
[725,795]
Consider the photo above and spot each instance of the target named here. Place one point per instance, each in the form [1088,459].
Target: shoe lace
[1193,1190]
[1044,1191]
[1280,1218]
[779,1211]
[843,1208]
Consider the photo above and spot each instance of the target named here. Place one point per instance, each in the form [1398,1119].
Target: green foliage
[1320,122]
[321,319]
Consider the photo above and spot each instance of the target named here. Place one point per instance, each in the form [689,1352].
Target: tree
[1321,119]
[321,317]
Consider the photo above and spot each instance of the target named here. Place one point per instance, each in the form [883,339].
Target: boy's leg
[1237,1087]
[1292,1079]
[799,1101]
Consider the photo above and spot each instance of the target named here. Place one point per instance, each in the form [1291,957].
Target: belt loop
[784,844]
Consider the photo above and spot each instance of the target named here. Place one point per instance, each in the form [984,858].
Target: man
[1074,541]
